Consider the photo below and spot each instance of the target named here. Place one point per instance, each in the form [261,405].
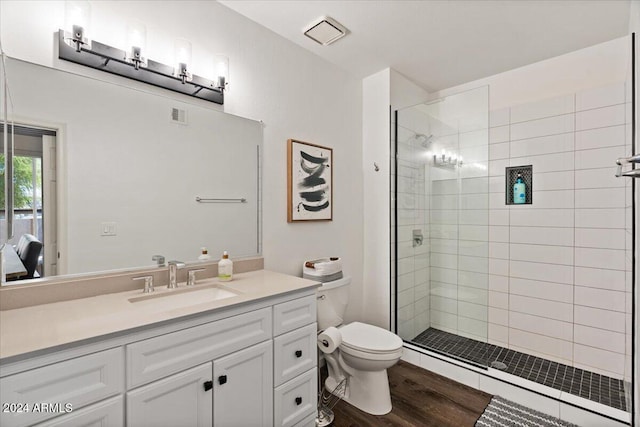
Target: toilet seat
[361,339]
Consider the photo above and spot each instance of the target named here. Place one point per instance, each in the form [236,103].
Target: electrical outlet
[108,229]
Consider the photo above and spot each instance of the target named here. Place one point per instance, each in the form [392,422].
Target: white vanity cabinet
[254,366]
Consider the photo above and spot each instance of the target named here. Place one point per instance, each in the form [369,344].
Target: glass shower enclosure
[441,210]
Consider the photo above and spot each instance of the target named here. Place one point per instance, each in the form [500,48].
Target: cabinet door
[108,413]
[179,400]
[243,388]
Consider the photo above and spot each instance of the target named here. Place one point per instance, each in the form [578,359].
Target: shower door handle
[624,160]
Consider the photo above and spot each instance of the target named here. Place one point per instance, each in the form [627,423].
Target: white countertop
[43,326]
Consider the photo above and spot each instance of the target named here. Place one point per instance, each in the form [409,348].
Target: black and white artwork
[310,182]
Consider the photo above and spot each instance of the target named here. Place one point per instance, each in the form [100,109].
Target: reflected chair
[28,249]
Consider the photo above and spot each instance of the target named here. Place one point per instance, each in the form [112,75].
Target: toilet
[363,356]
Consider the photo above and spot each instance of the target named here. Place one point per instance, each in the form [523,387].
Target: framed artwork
[309,182]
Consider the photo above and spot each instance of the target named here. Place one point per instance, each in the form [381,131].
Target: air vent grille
[179,116]
[325,31]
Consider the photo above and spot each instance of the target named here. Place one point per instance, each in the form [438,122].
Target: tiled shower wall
[559,269]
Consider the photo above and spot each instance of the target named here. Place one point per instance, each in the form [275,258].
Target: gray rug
[504,413]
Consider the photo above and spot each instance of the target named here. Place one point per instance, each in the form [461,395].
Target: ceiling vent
[326,31]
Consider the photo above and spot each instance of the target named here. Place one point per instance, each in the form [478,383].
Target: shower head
[423,139]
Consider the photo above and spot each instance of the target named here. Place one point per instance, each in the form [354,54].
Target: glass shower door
[442,225]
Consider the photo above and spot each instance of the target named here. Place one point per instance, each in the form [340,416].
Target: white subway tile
[498,217]
[498,151]
[600,117]
[600,298]
[442,216]
[498,334]
[475,264]
[443,320]
[600,198]
[600,258]
[543,308]
[499,250]
[438,231]
[545,108]
[475,154]
[553,180]
[601,137]
[444,246]
[498,267]
[473,328]
[600,218]
[473,279]
[600,97]
[499,117]
[541,253]
[598,358]
[599,157]
[561,292]
[474,201]
[498,233]
[473,232]
[473,308]
[541,325]
[543,127]
[600,238]
[474,185]
[474,217]
[598,318]
[542,217]
[600,278]
[405,298]
[447,305]
[497,167]
[499,283]
[498,134]
[547,162]
[544,272]
[499,300]
[541,344]
[444,275]
[477,248]
[405,281]
[542,145]
[498,316]
[444,202]
[599,338]
[598,178]
[497,201]
[558,199]
[474,138]
[446,186]
[542,235]
[444,260]
[444,290]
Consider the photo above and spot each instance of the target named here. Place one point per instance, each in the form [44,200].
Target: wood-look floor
[420,398]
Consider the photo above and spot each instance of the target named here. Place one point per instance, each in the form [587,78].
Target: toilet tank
[333,298]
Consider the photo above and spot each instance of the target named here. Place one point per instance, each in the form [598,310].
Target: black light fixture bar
[112,60]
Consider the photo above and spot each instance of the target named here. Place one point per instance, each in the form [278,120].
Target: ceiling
[441,43]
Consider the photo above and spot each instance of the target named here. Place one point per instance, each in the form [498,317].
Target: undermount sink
[183,297]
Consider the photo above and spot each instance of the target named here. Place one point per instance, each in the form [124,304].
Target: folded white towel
[322,266]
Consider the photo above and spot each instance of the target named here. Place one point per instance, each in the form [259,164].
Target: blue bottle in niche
[519,191]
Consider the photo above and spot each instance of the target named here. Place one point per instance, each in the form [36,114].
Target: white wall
[383,93]
[295,93]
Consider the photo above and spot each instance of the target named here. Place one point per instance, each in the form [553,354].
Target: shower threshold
[589,385]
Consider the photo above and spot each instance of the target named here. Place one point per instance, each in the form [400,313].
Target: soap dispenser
[204,256]
[519,191]
[225,268]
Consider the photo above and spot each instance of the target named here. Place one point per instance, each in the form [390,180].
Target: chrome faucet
[173,273]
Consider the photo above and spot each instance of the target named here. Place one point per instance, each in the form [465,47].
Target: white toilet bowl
[362,358]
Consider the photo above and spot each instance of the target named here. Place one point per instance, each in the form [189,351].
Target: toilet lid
[369,338]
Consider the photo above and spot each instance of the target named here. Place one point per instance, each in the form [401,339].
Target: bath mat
[504,413]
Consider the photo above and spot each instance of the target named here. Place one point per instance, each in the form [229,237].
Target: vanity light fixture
[221,69]
[137,42]
[74,46]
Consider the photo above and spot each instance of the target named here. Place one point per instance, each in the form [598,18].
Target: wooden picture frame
[309,182]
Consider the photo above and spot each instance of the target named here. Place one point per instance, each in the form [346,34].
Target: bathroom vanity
[167,358]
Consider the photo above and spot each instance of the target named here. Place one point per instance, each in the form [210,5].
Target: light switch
[108,229]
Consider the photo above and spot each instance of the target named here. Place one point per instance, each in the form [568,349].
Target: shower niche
[511,177]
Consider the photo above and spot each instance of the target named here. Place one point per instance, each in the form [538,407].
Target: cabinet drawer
[295,400]
[310,421]
[108,413]
[161,356]
[294,353]
[78,382]
[294,314]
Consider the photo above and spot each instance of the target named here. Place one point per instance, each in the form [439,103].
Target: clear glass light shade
[221,70]
[136,35]
[182,53]
[77,13]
